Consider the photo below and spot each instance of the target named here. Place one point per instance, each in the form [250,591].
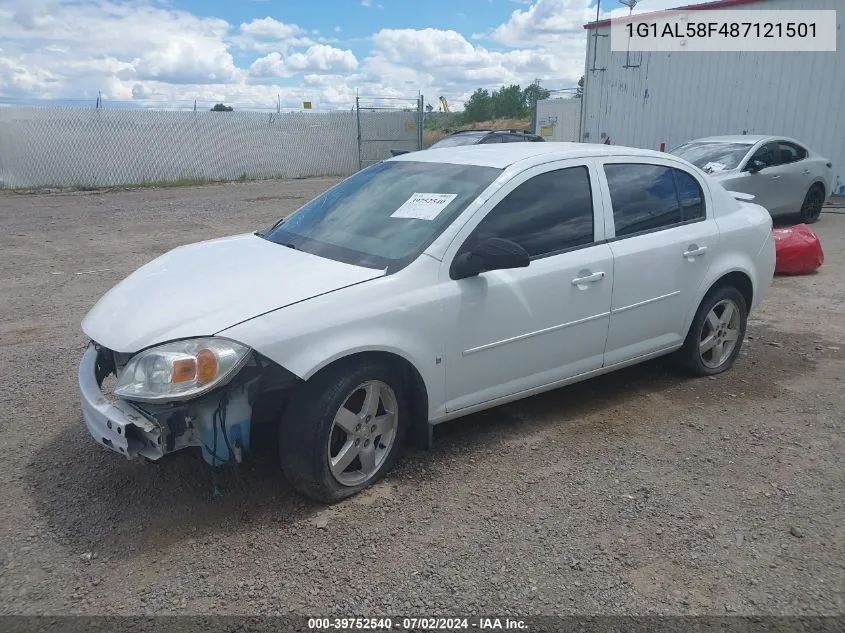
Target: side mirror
[494,253]
[755,165]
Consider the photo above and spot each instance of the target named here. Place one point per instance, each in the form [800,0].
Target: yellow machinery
[444,106]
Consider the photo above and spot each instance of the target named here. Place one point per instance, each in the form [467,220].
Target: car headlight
[180,370]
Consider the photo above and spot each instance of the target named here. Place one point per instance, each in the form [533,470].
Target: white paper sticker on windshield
[424,206]
[711,167]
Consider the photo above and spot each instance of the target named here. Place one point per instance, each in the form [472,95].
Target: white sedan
[419,290]
[783,175]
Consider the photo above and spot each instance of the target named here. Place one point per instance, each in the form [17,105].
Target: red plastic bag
[798,250]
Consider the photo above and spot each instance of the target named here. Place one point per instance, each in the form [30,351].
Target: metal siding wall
[674,97]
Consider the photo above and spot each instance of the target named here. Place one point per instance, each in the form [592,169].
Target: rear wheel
[715,337]
[344,431]
[813,203]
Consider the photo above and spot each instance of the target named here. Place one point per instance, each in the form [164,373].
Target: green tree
[508,103]
[579,91]
[479,107]
[532,94]
[222,108]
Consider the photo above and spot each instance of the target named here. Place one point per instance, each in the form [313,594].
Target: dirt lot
[639,492]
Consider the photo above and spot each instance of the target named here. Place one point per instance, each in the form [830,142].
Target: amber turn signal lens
[206,366]
[184,370]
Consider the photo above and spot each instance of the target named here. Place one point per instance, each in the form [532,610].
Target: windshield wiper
[267,231]
[289,245]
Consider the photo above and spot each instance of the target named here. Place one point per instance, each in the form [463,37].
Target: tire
[310,434]
[813,203]
[697,360]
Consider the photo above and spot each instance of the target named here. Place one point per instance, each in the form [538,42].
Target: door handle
[588,279]
[775,177]
[695,252]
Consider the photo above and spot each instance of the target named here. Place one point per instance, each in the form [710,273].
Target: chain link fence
[90,148]
[387,125]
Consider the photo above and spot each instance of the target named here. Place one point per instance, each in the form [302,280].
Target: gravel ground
[635,493]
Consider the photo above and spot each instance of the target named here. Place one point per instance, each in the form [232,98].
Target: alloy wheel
[363,433]
[720,334]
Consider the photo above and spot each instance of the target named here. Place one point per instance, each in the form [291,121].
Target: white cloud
[367,3]
[546,21]
[58,46]
[455,62]
[268,34]
[317,57]
[269,28]
[145,52]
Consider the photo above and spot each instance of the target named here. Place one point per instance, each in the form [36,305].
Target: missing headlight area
[219,423]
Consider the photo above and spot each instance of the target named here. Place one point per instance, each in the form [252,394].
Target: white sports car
[421,289]
[782,174]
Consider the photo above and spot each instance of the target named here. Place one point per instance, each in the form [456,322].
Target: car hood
[201,289]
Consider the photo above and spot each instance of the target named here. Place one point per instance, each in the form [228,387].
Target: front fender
[392,314]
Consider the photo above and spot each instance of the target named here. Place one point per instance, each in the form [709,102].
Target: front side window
[385,215]
[769,155]
[650,197]
[546,214]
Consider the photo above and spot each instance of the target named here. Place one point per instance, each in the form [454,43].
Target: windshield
[384,216]
[458,139]
[713,157]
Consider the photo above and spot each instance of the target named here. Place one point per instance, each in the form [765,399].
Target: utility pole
[535,98]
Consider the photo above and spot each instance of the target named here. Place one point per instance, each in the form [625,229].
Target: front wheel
[343,431]
[716,334]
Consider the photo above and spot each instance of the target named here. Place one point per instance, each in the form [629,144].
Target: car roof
[504,155]
[485,132]
[745,139]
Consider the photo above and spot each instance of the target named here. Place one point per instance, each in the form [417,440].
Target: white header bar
[721,30]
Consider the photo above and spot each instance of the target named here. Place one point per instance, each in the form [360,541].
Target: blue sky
[250,53]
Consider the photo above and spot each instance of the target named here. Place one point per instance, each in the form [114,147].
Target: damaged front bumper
[218,422]
[115,424]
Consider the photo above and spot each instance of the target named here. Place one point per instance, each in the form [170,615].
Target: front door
[512,330]
[771,186]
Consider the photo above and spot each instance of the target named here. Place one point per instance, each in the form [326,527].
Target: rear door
[663,238]
[796,175]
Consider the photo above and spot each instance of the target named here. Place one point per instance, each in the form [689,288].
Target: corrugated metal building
[644,99]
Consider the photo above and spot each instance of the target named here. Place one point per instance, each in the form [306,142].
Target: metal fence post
[421,117]
[358,120]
